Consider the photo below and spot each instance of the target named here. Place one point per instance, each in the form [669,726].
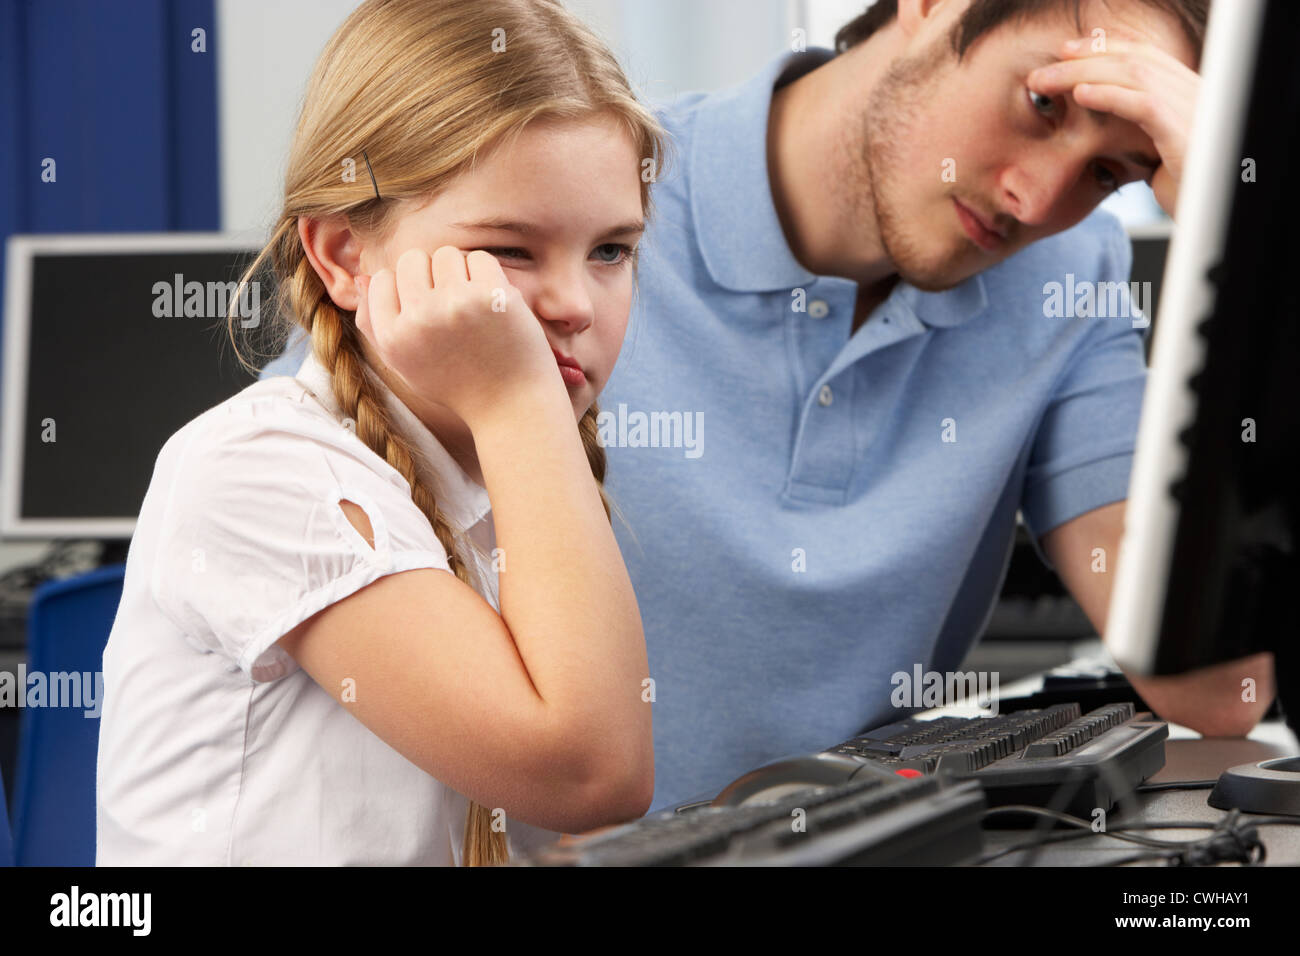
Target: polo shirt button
[818,308]
[824,397]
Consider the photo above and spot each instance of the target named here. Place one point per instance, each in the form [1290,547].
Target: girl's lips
[573,377]
[563,359]
[570,370]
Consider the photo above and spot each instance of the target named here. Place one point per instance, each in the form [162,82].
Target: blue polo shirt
[805,511]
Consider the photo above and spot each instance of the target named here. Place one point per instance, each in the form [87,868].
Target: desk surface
[1188,757]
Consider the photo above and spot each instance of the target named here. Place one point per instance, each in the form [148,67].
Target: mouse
[792,774]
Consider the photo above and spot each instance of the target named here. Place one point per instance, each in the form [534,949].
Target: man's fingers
[1136,106]
[1135,65]
[1064,77]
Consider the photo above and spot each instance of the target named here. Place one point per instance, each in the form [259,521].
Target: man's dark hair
[985,15]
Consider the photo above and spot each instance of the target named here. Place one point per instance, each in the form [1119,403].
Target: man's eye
[1041,101]
[1106,179]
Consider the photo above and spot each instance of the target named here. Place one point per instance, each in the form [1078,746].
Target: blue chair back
[6,841]
[54,792]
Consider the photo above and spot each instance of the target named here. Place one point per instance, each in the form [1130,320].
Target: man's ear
[334,251]
[916,16]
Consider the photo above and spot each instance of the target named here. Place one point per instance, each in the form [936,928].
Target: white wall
[265,53]
[821,18]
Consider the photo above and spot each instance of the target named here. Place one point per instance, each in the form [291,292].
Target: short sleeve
[1082,452]
[252,540]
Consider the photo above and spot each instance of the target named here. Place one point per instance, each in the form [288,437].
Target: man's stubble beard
[889,120]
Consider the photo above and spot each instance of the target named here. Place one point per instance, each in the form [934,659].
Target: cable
[1227,845]
[1042,830]
[1233,839]
[1121,793]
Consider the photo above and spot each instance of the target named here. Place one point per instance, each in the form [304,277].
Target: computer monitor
[112,343]
[1208,569]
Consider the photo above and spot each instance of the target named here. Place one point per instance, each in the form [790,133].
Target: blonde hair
[420,87]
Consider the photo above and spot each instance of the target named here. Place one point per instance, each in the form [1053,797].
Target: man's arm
[1085,551]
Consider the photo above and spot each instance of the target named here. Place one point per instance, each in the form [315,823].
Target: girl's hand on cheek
[456,332]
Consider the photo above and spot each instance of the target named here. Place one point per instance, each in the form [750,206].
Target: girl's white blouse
[214,746]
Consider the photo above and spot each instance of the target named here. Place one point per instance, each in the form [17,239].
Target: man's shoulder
[1081,273]
[1095,252]
[676,115]
[673,111]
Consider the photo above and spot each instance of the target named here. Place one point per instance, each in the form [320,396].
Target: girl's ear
[334,252]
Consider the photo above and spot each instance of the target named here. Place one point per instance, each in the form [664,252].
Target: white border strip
[1204,206]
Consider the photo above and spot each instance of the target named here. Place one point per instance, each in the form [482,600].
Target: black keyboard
[1053,756]
[875,818]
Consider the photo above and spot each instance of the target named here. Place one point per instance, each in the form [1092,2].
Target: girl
[293,675]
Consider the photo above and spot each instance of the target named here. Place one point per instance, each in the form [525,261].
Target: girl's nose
[564,301]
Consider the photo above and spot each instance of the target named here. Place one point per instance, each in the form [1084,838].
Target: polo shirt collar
[460,498]
[948,308]
[737,227]
[739,233]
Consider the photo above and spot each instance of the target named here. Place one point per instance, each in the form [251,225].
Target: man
[843,380]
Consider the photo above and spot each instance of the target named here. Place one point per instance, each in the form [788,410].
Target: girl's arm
[537,710]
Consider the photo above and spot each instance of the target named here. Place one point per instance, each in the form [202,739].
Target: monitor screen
[112,343]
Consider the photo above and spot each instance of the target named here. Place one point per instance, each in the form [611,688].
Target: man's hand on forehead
[1116,72]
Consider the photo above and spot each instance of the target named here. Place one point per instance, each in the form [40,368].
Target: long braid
[595,451]
[335,346]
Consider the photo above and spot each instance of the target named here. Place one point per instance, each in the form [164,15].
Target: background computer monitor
[1209,570]
[112,343]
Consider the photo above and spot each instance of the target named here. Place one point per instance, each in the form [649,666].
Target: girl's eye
[610,253]
[505,253]
[620,253]
[1105,178]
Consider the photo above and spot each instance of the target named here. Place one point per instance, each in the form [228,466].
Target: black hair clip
[372,174]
